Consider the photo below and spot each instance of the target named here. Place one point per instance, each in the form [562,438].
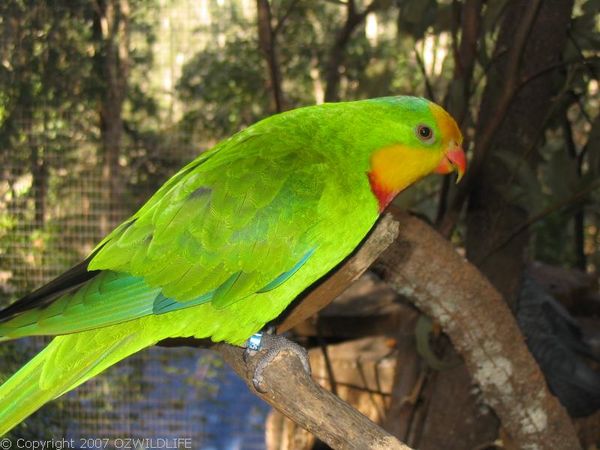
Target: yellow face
[449,132]
[436,148]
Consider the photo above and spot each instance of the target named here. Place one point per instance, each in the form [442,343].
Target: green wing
[240,219]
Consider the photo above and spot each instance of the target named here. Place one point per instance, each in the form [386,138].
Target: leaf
[583,28]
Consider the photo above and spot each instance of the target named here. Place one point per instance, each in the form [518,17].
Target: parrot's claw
[272,345]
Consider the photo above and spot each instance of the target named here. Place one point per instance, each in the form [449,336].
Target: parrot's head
[426,139]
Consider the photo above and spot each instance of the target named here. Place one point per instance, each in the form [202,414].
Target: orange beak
[454,159]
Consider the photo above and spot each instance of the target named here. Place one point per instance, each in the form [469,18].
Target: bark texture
[294,393]
[423,266]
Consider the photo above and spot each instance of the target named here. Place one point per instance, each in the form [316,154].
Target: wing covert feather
[229,224]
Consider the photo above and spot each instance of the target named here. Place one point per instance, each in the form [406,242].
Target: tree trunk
[266,41]
[459,92]
[112,22]
[492,210]
[338,50]
[426,268]
[579,215]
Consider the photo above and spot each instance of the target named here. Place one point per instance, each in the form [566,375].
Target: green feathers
[227,229]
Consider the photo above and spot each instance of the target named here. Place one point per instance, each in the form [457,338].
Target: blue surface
[168,398]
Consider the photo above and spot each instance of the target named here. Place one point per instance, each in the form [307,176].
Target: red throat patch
[384,196]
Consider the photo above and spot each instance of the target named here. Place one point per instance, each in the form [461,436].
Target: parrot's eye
[425,133]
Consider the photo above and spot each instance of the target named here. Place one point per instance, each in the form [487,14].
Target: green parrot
[226,244]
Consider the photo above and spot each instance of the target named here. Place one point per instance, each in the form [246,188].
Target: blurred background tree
[101,100]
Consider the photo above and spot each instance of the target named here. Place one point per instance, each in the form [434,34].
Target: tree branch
[425,267]
[428,86]
[281,20]
[459,91]
[267,45]
[294,393]
[576,197]
[337,53]
[291,390]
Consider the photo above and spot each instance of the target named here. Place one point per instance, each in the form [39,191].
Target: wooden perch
[294,393]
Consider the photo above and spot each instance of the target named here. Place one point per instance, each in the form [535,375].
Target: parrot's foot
[272,345]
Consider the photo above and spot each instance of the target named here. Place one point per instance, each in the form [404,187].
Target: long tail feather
[64,364]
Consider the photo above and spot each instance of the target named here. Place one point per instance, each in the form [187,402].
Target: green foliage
[224,90]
